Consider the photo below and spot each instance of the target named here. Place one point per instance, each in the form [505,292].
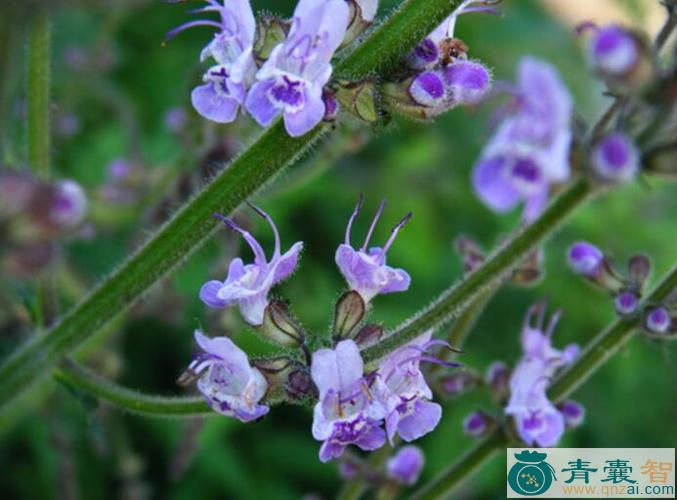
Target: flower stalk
[270,154]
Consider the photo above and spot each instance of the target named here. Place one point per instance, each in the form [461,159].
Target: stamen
[259,255]
[373,224]
[272,225]
[191,24]
[430,359]
[354,215]
[553,323]
[393,233]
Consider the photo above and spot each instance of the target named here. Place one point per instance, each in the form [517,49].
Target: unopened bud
[331,106]
[639,268]
[626,303]
[406,465]
[615,158]
[457,383]
[573,413]
[369,335]
[657,320]
[279,327]
[350,310]
[359,98]
[69,205]
[468,82]
[585,259]
[477,424]
[498,379]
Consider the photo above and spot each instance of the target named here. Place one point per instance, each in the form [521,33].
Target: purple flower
[530,149]
[365,270]
[613,50]
[475,424]
[224,90]
[346,413]
[573,413]
[248,285]
[615,158]
[403,391]
[69,206]
[585,258]
[658,320]
[290,82]
[537,420]
[406,465]
[227,381]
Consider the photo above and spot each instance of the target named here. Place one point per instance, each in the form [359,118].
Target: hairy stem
[598,352]
[192,224]
[127,399]
[37,95]
[495,268]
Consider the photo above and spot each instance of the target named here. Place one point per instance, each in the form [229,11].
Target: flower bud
[359,98]
[470,251]
[615,158]
[271,31]
[476,424]
[69,205]
[279,327]
[425,55]
[350,310]
[498,379]
[331,106]
[467,81]
[457,383]
[427,89]
[406,465]
[573,413]
[626,303]
[288,380]
[613,50]
[369,335]
[639,267]
[349,469]
[657,320]
[585,259]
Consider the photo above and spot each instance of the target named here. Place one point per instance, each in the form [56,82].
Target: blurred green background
[112,75]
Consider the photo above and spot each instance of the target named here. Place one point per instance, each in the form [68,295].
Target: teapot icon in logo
[531,475]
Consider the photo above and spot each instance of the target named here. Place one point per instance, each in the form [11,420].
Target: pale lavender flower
[537,420]
[226,83]
[228,382]
[346,413]
[69,206]
[530,149]
[404,392]
[290,82]
[247,285]
[573,413]
[658,320]
[615,158]
[406,465]
[365,269]
[585,258]
[613,50]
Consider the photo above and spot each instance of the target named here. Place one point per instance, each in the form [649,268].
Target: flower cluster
[353,406]
[626,288]
[529,151]
[537,420]
[290,79]
[441,75]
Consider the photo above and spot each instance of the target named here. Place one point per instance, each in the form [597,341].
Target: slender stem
[598,352]
[189,228]
[132,401]
[668,26]
[455,299]
[442,485]
[606,344]
[39,35]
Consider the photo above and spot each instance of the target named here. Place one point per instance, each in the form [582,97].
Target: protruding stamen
[553,323]
[191,24]
[373,224]
[394,231]
[430,359]
[265,215]
[259,255]
[354,215]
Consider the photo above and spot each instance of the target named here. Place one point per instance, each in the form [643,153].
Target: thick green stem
[598,352]
[193,223]
[37,81]
[497,266]
[442,485]
[132,401]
